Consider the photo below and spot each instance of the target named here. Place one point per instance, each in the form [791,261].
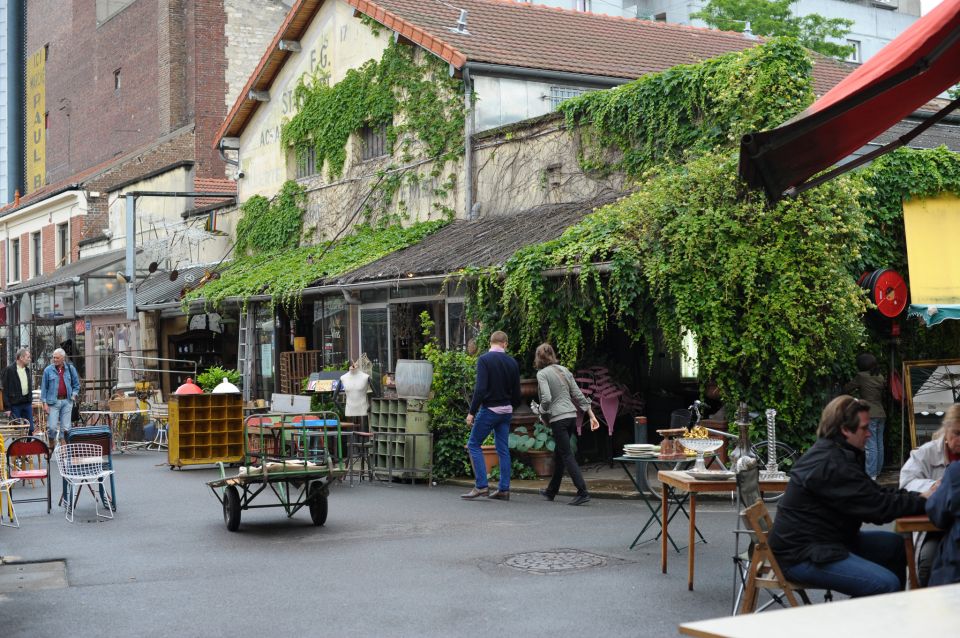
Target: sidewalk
[604,481]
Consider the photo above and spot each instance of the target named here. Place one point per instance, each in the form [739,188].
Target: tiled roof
[489,241]
[212,185]
[507,33]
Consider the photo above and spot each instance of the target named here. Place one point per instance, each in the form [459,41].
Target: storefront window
[459,329]
[99,288]
[374,337]
[264,344]
[330,322]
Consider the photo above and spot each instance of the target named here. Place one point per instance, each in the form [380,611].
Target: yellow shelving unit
[205,429]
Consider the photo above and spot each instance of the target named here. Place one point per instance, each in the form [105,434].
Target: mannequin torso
[355,387]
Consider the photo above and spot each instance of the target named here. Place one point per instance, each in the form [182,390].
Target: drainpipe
[468,143]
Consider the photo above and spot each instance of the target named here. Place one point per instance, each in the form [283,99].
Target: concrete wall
[334,43]
[251,26]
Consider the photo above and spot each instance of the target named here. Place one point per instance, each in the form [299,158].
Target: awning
[921,63]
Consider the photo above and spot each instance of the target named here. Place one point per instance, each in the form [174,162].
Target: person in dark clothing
[495,395]
[18,388]
[816,535]
[870,385]
[943,508]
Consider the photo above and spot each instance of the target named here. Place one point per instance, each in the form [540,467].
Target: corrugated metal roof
[485,242]
[157,289]
[65,274]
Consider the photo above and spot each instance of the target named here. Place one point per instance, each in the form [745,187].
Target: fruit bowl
[701,447]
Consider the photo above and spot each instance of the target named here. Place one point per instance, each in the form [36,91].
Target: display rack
[205,429]
[401,434]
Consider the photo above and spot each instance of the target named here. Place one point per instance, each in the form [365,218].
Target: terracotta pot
[489,456]
[542,462]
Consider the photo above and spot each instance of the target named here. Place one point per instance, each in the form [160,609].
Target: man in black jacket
[816,536]
[18,388]
[495,395]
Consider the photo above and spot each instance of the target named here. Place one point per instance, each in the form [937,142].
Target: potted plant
[538,445]
[489,453]
[212,376]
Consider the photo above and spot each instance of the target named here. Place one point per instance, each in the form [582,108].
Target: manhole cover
[16,577]
[561,560]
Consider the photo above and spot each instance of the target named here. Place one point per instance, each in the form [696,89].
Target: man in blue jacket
[944,511]
[59,388]
[495,395]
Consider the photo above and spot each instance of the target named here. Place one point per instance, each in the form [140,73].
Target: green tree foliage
[775,18]
[271,225]
[691,108]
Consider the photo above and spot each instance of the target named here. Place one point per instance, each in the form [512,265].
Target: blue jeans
[23,411]
[484,423]
[874,448]
[59,415]
[878,567]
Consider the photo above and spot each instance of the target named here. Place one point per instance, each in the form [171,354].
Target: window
[63,244]
[560,94]
[106,9]
[36,258]
[116,80]
[14,253]
[374,142]
[306,162]
[856,55]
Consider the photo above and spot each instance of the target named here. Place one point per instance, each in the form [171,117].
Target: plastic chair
[81,464]
[19,460]
[6,485]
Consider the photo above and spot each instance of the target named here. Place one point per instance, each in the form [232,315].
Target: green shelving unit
[401,429]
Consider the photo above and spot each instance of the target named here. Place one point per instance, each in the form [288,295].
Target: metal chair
[81,464]
[6,485]
[20,455]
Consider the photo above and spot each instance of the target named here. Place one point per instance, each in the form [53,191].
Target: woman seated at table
[816,536]
[944,510]
[923,470]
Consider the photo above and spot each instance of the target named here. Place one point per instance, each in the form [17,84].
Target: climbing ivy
[270,225]
[412,95]
[283,274]
[691,108]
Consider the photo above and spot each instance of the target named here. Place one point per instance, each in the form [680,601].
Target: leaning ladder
[245,352]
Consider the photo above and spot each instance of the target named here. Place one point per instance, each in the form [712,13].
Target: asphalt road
[392,560]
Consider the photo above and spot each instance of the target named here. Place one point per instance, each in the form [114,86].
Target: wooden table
[908,525]
[680,481]
[920,613]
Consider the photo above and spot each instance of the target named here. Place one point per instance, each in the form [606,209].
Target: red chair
[19,453]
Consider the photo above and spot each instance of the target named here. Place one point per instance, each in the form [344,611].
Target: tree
[774,18]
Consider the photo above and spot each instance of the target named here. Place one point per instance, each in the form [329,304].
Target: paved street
[392,561]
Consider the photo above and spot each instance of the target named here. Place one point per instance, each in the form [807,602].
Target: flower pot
[414,378]
[529,389]
[542,462]
[489,456]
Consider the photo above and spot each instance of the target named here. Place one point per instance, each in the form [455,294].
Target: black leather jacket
[828,498]
[12,391]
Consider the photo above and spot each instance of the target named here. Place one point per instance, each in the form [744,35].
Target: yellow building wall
[334,43]
[931,225]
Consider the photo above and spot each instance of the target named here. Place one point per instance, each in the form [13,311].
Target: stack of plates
[641,450]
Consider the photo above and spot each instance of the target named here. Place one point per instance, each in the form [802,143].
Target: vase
[413,378]
[542,462]
[529,389]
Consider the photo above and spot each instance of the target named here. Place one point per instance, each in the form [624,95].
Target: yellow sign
[36,121]
[933,261]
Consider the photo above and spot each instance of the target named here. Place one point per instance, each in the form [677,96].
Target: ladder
[245,352]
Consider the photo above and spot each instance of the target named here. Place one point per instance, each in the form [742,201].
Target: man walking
[59,388]
[495,395]
[18,388]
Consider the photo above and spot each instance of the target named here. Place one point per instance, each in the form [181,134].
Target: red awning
[920,64]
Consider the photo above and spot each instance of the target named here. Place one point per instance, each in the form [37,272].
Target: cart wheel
[231,508]
[318,504]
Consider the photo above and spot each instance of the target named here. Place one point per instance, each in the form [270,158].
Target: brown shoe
[500,495]
[474,493]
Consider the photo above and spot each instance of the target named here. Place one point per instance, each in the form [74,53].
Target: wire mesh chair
[81,464]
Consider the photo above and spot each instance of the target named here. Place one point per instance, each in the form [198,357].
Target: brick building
[121,95]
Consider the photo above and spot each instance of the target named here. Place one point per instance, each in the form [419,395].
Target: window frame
[375,137]
[13,260]
[36,254]
[62,248]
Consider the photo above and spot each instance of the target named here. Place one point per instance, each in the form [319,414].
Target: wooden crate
[297,366]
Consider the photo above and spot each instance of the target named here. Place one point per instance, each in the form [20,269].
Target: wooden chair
[763,571]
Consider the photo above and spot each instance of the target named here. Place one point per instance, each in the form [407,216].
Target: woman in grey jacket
[559,398]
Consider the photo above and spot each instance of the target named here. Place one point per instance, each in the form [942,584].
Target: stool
[359,447]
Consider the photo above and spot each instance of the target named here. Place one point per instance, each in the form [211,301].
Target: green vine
[691,108]
[270,225]
[283,274]
[412,95]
